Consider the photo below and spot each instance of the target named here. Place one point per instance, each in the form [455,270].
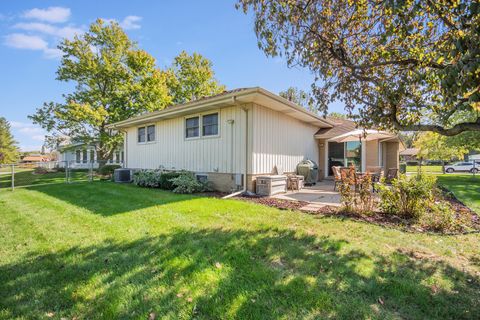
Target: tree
[114,80]
[8,149]
[434,146]
[338,115]
[407,65]
[299,97]
[192,77]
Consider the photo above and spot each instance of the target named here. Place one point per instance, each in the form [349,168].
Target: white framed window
[84,156]
[78,156]
[146,134]
[192,127]
[141,135]
[210,124]
[117,157]
[92,155]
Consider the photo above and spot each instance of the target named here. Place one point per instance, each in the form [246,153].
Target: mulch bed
[275,203]
[377,218]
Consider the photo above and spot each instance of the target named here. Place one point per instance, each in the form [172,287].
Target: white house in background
[84,156]
[233,137]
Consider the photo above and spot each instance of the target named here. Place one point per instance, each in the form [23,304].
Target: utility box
[271,185]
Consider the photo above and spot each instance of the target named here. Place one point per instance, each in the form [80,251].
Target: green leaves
[115,80]
[9,152]
[394,61]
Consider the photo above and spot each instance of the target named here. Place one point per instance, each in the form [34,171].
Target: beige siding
[205,154]
[371,154]
[321,159]
[280,140]
[391,154]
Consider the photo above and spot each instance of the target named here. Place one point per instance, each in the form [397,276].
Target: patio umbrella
[362,135]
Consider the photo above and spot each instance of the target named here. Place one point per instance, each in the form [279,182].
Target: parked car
[463,166]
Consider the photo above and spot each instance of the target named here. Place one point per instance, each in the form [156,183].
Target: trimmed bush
[440,217]
[165,179]
[108,169]
[147,178]
[186,182]
[412,163]
[408,197]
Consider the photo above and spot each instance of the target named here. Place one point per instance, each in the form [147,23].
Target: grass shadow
[221,274]
[106,199]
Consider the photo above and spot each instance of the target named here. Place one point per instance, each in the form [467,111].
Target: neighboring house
[32,158]
[237,135]
[409,154]
[85,156]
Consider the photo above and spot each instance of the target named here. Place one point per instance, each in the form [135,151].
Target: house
[409,154]
[33,158]
[84,156]
[233,137]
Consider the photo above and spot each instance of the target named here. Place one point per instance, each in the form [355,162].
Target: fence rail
[37,173]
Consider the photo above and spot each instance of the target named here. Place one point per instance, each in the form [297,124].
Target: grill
[309,170]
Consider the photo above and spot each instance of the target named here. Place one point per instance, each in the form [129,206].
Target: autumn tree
[114,80]
[192,77]
[434,146]
[8,146]
[406,65]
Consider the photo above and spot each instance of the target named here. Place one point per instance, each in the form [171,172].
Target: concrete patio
[318,196]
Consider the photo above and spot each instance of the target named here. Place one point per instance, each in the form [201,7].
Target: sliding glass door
[344,154]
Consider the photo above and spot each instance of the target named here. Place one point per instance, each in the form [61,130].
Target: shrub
[147,178]
[408,197]
[440,217]
[186,182]
[108,169]
[165,179]
[40,170]
[359,199]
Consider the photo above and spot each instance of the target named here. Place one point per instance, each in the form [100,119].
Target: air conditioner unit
[270,185]
[123,175]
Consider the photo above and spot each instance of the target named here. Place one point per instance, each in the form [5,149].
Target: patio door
[344,154]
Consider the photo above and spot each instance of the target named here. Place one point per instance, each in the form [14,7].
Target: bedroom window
[141,134]
[192,126]
[210,124]
[151,133]
[146,134]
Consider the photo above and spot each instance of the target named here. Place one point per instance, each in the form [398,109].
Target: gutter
[244,189]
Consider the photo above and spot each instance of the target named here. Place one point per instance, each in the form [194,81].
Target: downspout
[244,189]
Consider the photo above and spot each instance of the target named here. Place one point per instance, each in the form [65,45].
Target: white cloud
[23,41]
[131,22]
[64,32]
[128,23]
[51,14]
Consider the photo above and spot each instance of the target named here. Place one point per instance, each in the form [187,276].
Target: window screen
[151,133]
[210,124]
[192,127]
[77,156]
[141,134]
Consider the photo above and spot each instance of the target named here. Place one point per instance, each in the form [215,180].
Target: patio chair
[337,176]
[392,173]
[377,173]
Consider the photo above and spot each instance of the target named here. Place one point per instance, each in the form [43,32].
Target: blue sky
[30,31]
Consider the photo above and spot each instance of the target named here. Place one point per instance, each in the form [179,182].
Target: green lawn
[107,251]
[427,169]
[465,187]
[26,177]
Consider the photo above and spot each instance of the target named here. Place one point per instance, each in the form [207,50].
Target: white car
[462,166]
